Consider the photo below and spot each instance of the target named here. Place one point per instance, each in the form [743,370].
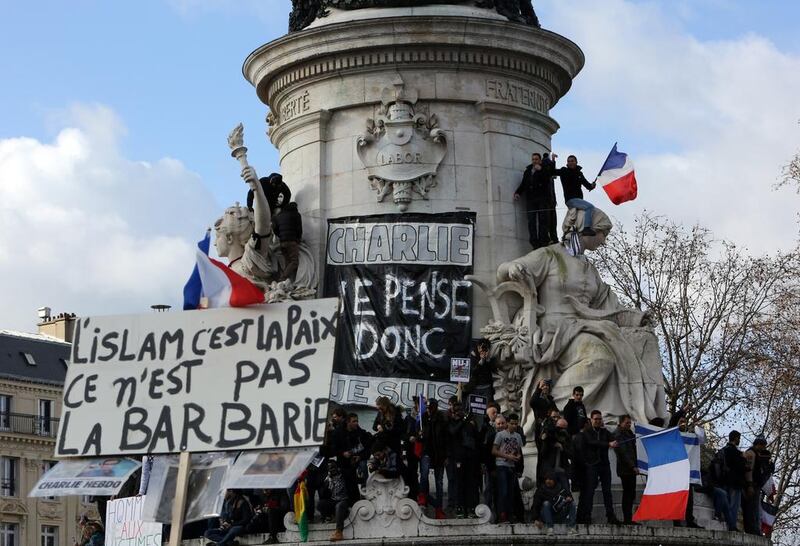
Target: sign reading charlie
[220,379]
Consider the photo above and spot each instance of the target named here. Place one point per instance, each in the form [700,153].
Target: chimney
[59,326]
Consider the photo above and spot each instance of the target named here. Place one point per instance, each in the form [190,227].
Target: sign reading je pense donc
[406,304]
[211,380]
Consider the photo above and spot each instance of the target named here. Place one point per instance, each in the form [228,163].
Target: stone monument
[413,106]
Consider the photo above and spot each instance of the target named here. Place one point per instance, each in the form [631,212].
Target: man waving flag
[618,177]
[667,490]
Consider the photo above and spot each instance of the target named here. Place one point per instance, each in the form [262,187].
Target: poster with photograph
[97,476]
[268,470]
[205,493]
[459,370]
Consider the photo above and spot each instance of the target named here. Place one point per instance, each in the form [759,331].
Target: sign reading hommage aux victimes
[220,379]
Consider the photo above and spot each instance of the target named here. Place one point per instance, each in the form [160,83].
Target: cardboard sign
[459,370]
[268,469]
[101,476]
[212,380]
[477,404]
[124,525]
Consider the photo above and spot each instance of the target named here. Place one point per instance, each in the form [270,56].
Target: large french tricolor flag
[221,286]
[667,490]
[618,177]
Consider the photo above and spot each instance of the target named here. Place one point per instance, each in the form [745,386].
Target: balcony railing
[24,423]
[7,488]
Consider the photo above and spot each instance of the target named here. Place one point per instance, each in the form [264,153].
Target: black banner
[406,307]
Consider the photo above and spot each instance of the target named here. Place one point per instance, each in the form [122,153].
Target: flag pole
[179,501]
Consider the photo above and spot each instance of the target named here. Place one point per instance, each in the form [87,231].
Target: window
[9,534]
[8,477]
[45,417]
[49,535]
[28,358]
[47,465]
[5,412]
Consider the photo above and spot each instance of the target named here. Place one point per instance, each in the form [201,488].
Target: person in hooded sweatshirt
[288,227]
[571,181]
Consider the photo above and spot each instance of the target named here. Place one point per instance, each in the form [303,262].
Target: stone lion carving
[304,12]
[575,331]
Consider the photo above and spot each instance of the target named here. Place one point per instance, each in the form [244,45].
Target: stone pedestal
[485,84]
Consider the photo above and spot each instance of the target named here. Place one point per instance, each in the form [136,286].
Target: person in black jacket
[627,468]
[275,190]
[574,411]
[352,453]
[288,227]
[553,503]
[597,441]
[481,380]
[434,453]
[540,199]
[734,474]
[571,181]
[235,516]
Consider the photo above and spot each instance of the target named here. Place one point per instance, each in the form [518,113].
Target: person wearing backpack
[733,476]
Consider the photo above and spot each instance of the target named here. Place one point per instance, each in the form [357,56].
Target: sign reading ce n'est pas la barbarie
[212,380]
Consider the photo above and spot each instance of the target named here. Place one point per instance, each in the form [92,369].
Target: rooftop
[33,357]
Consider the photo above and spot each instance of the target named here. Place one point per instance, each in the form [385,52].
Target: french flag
[221,286]
[667,490]
[618,177]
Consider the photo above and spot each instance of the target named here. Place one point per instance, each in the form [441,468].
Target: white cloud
[724,112]
[84,229]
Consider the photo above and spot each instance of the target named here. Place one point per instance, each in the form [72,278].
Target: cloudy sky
[113,118]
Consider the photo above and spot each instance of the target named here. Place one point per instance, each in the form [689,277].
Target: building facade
[32,372]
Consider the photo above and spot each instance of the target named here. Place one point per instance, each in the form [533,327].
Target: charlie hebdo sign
[406,307]
[212,380]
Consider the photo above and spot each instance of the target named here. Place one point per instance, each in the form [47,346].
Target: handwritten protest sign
[124,525]
[212,380]
[99,476]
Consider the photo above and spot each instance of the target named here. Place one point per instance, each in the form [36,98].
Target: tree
[704,298]
[729,331]
[777,398]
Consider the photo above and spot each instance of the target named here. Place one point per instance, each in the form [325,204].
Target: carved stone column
[424,109]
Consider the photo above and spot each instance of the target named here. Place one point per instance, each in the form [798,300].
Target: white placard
[459,369]
[268,469]
[125,527]
[211,380]
[97,476]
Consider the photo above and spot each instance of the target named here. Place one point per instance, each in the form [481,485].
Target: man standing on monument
[540,199]
[597,442]
[626,466]
[572,179]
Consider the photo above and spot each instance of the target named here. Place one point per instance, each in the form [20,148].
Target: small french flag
[618,177]
[667,490]
[221,286]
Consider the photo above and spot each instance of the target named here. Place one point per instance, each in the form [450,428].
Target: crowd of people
[481,456]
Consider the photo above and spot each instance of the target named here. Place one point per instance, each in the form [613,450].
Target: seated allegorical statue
[580,334]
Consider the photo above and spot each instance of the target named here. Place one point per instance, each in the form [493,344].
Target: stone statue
[571,328]
[304,12]
[245,237]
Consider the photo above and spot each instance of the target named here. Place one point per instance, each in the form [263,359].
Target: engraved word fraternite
[304,12]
